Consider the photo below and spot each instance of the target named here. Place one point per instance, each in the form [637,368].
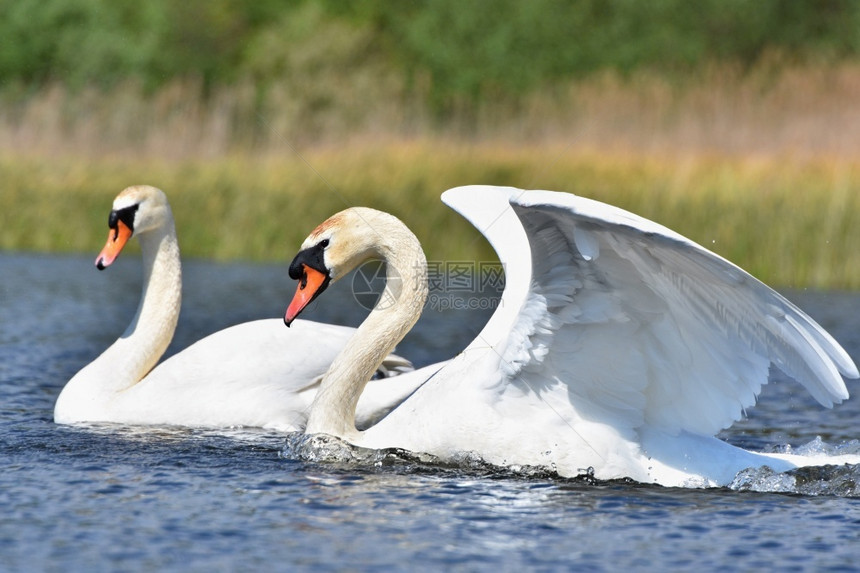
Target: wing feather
[642,325]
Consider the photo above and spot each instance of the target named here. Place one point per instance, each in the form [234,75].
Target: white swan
[618,345]
[252,374]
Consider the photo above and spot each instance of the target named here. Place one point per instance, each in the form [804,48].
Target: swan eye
[324,243]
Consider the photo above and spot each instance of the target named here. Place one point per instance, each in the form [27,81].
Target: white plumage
[618,345]
[253,374]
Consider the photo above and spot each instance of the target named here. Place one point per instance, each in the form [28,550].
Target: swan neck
[155,321]
[148,335]
[396,311]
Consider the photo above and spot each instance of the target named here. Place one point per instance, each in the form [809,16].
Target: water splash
[320,448]
[819,447]
[828,480]
[840,481]
[762,480]
[330,450]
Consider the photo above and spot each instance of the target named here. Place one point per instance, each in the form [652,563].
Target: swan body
[253,374]
[618,347]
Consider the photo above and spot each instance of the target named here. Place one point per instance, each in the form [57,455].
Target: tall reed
[790,222]
[762,166]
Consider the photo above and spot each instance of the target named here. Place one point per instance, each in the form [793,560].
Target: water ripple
[105,497]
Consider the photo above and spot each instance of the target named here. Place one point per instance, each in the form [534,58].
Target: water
[124,498]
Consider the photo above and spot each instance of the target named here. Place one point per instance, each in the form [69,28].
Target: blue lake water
[107,498]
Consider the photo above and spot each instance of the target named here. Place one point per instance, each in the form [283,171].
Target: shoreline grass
[761,166]
[791,222]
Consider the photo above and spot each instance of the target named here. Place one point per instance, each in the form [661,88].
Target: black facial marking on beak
[126,215]
[309,269]
[313,257]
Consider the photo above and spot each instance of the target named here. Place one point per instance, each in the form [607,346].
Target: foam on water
[829,480]
[834,480]
[331,450]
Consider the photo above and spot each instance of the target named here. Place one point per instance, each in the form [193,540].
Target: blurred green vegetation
[454,52]
[791,224]
[730,121]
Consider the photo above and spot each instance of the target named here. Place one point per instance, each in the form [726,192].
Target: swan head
[136,210]
[337,246]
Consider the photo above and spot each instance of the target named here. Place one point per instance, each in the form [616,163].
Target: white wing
[643,326]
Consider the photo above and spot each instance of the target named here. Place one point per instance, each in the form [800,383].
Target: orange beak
[311,284]
[117,238]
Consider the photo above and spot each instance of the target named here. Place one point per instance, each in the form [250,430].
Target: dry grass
[772,110]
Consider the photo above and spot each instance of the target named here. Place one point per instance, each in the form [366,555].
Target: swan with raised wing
[255,374]
[618,346]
